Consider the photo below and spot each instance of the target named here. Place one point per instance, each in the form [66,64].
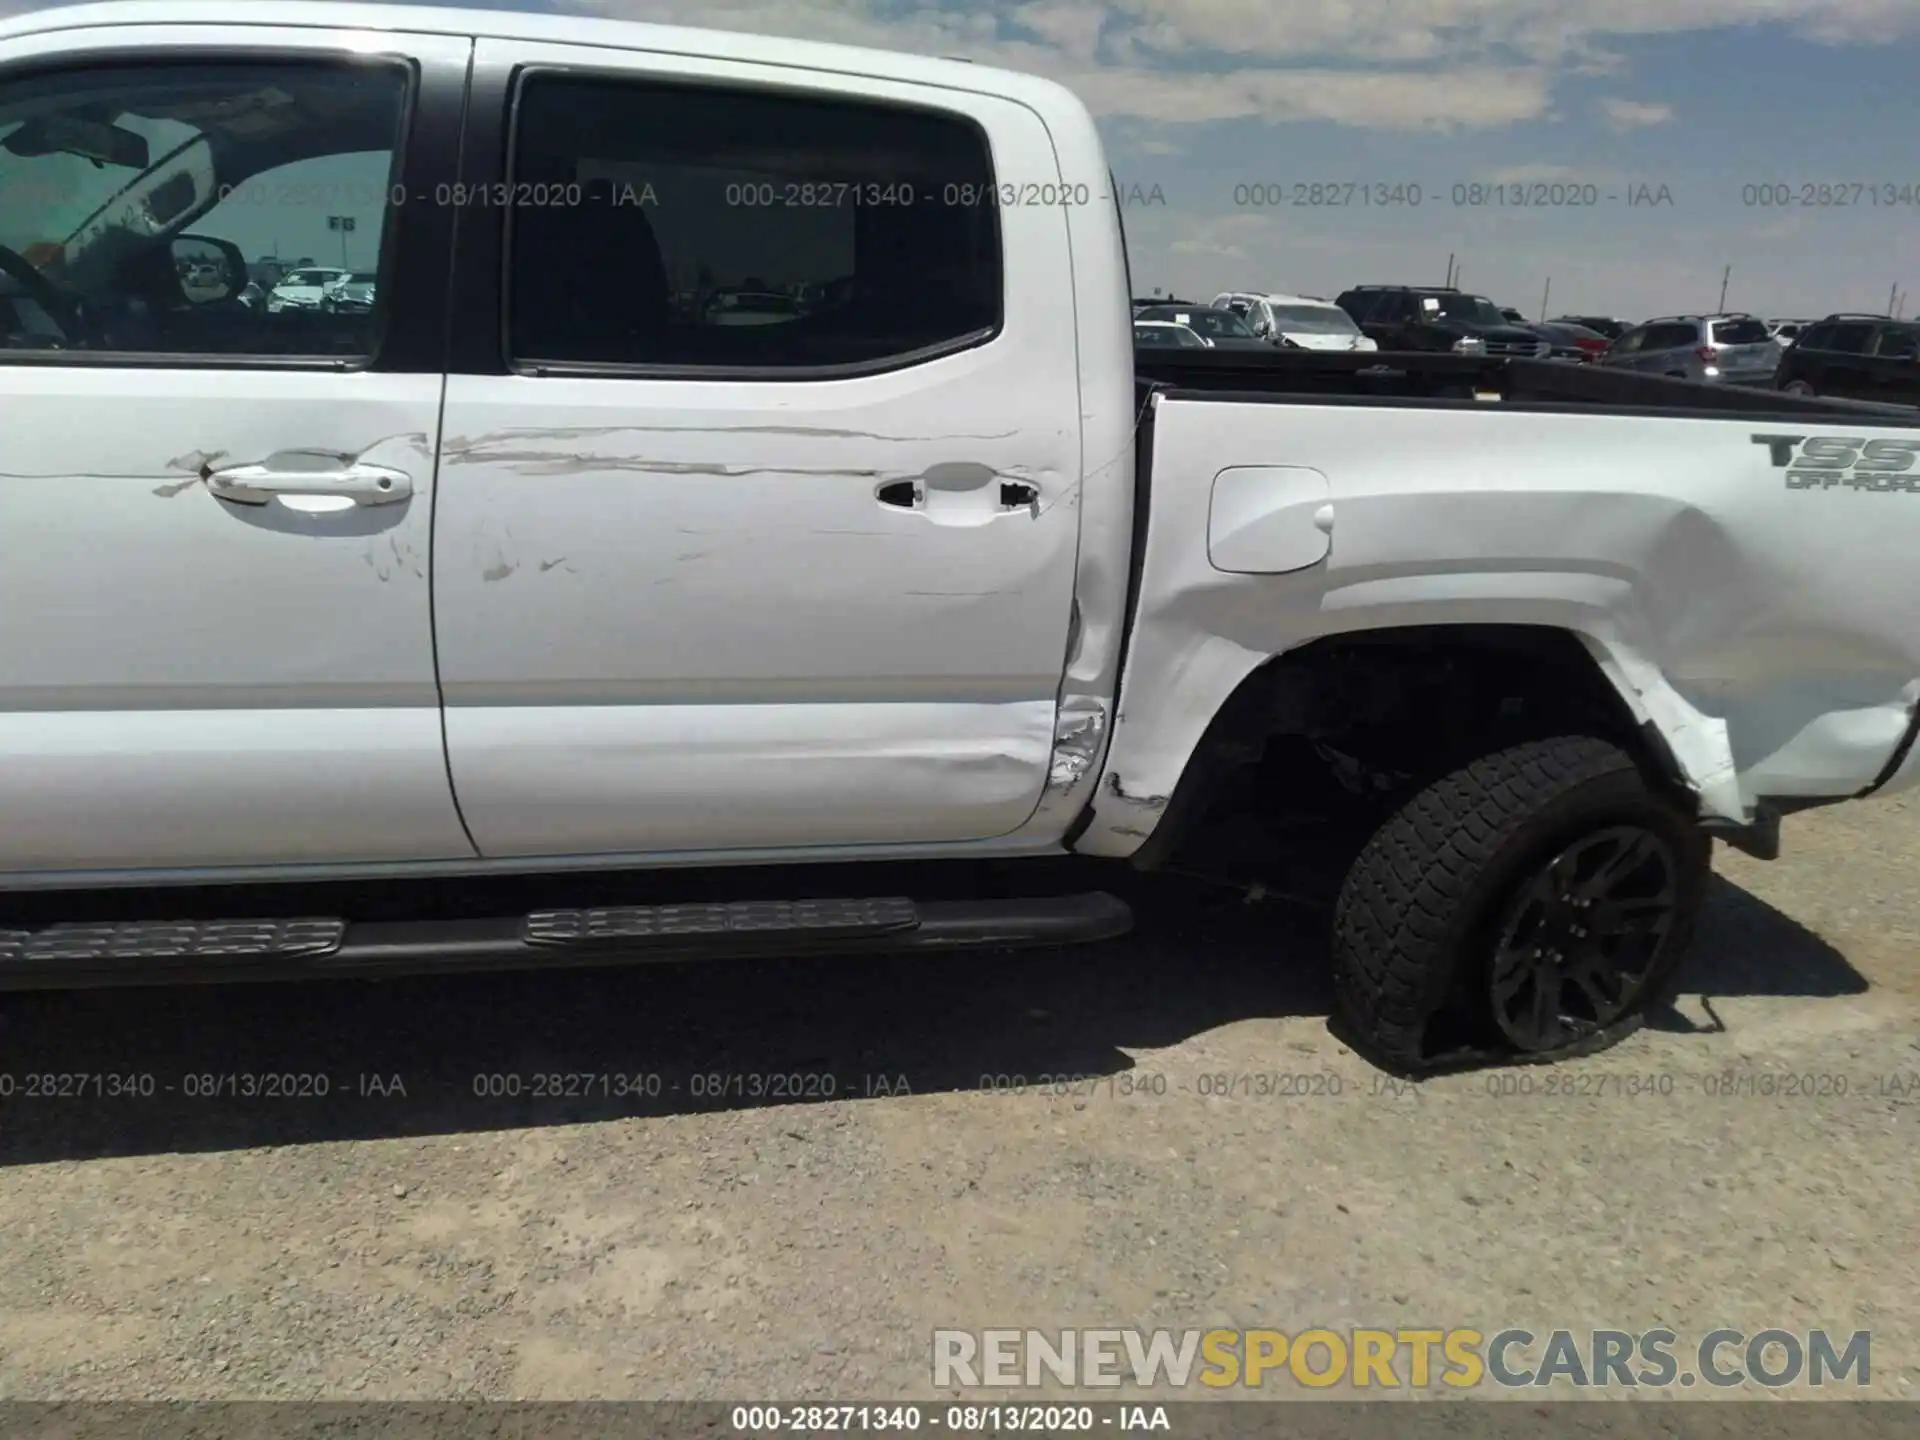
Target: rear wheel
[1531,905]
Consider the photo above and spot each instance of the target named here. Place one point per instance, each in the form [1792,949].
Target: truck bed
[1392,378]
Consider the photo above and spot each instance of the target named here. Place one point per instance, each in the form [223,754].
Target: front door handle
[360,483]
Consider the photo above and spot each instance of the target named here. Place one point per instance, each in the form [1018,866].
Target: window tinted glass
[1316,319]
[1898,343]
[1629,342]
[121,237]
[1740,332]
[1475,309]
[1672,336]
[1847,339]
[683,226]
[1209,322]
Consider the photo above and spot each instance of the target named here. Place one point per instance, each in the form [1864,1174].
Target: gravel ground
[672,1243]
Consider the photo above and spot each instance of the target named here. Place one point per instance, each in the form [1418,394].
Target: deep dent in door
[999,763]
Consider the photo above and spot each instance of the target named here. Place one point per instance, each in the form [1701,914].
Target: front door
[763,535]
[215,641]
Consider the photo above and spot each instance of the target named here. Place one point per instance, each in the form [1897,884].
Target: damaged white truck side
[730,456]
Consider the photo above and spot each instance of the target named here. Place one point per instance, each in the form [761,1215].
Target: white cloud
[1404,65]
[1622,114]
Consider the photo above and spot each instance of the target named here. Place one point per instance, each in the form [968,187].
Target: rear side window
[1670,337]
[1844,339]
[696,227]
[1739,332]
[1898,343]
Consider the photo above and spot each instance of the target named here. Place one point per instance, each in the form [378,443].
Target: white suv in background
[1303,321]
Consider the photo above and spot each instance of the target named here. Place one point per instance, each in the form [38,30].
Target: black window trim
[417,166]
[770,374]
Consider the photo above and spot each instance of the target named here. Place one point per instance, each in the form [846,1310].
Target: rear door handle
[363,484]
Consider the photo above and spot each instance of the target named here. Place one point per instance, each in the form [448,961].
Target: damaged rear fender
[1155,762]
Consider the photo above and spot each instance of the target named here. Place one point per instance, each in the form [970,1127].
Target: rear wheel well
[1322,743]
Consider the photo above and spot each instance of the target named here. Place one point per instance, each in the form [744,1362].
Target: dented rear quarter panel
[1766,626]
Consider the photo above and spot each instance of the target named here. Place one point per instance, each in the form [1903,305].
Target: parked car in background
[1165,335]
[1571,342]
[1301,322]
[1222,329]
[1514,316]
[1147,302]
[1855,357]
[751,307]
[1606,325]
[303,289]
[352,296]
[1730,349]
[1439,318]
[1786,331]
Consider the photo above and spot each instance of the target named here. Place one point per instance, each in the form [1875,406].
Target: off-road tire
[1411,930]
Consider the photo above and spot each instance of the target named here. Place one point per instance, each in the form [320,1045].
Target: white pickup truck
[535,566]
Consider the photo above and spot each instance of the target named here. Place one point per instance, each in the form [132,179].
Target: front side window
[137,200]
[686,227]
[1472,309]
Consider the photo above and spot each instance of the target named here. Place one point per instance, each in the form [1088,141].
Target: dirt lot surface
[677,1242]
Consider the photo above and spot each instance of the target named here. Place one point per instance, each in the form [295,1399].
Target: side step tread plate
[815,919]
[86,954]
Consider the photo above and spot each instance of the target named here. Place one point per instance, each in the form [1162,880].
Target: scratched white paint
[585,779]
[711,561]
[675,624]
[1767,631]
[189,682]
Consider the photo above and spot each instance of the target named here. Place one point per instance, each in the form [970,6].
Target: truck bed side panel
[1747,584]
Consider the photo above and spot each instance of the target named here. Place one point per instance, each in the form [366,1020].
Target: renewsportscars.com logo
[1855,461]
[1371,1359]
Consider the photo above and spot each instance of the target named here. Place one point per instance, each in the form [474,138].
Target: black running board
[83,955]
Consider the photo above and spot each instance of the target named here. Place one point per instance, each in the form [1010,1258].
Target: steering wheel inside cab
[181,286]
[68,312]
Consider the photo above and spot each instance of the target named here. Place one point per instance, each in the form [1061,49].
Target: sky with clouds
[1218,102]
[1215,110]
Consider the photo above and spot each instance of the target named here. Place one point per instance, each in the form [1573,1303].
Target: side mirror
[210,270]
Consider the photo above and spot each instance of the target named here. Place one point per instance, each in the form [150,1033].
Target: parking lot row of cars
[1851,356]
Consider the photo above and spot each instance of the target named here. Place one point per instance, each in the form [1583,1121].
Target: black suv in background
[1437,317]
[1855,357]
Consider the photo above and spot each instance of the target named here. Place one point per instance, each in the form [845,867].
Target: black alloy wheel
[1577,943]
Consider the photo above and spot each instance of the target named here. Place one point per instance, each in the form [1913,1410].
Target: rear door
[707,587]
[1895,365]
[215,641]
[1625,351]
[1844,367]
[1747,353]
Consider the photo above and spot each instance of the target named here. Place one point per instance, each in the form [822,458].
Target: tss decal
[1825,461]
